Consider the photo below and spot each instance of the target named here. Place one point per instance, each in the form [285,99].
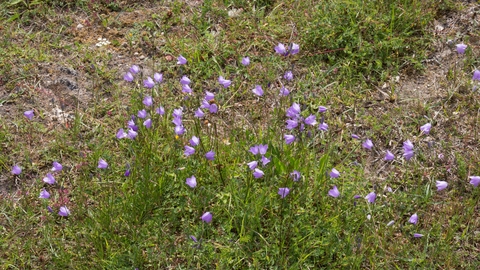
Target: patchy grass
[140,213]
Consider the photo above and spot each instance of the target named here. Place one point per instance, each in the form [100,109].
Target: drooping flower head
[417,235]
[158,77]
[323,126]
[142,113]
[367,144]
[147,101]
[210,155]
[371,197]
[102,164]
[408,150]
[294,49]
[194,141]
[185,80]
[475,180]
[225,83]
[186,89]
[389,156]
[295,176]
[160,110]
[441,185]
[258,90]
[199,113]
[148,83]
[284,91]
[289,138]
[283,192]
[310,120]
[209,96]
[355,136]
[322,109]
[288,75]
[56,167]
[134,69]
[334,173]
[280,49]
[16,170]
[476,75]
[334,192]
[461,48]
[213,108]
[413,219]
[246,61]
[64,211]
[128,77]
[181,60]
[148,123]
[257,173]
[132,134]
[44,194]
[207,217]
[293,111]
[49,179]
[252,165]
[426,128]
[29,114]
[189,150]
[191,182]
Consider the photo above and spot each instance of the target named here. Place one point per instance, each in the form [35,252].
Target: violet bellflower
[280,49]
[295,176]
[132,134]
[417,235]
[56,167]
[294,49]
[210,155]
[441,185]
[225,83]
[181,60]
[289,138]
[257,173]
[142,113]
[64,211]
[258,90]
[147,101]
[371,197]
[199,113]
[284,91]
[185,80]
[413,219]
[189,150]
[291,124]
[389,156]
[149,83]
[160,110]
[322,109]
[179,130]
[461,48]
[408,150]
[262,149]
[476,75]
[367,144]
[148,123]
[334,192]
[29,114]
[49,179]
[128,77]
[311,120]
[252,165]
[334,173]
[426,128]
[134,69]
[207,217]
[16,170]
[44,194]
[177,121]
[158,77]
[186,89]
[283,192]
[194,141]
[293,111]
[191,182]
[254,150]
[265,160]
[209,96]
[288,75]
[131,125]
[177,113]
[323,126]
[213,108]
[102,164]
[355,136]
[474,180]
[246,61]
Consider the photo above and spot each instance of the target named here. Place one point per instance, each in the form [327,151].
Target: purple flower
[207,217]
[49,179]
[177,113]
[181,60]
[194,141]
[158,77]
[280,49]
[461,48]
[102,164]
[177,121]
[476,75]
[408,150]
[213,108]
[49,209]
[371,197]
[291,124]
[134,69]
[389,156]
[417,235]
[289,138]
[205,104]
[142,113]
[209,96]
[284,91]
[355,136]
[323,126]
[258,90]
[283,192]
[294,49]
[322,109]
[44,194]
[179,130]
[254,149]
[246,61]
[258,173]
[148,101]
[413,219]
[210,155]
[160,110]
[225,83]
[189,150]
[199,113]
[64,211]
[426,128]
[334,173]
[293,111]
[475,180]
[441,185]
[16,170]
[310,120]
[29,114]
[194,239]
[334,192]
[186,89]
[262,149]
[252,165]
[148,123]
[265,160]
[148,83]
[288,76]
[128,77]
[191,182]
[131,134]
[131,124]
[295,176]
[367,144]
[56,167]
[127,173]
[185,80]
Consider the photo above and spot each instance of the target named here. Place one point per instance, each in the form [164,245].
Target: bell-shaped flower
[213,108]
[441,185]
[44,194]
[225,83]
[194,141]
[147,101]
[56,167]
[102,164]
[191,182]
[210,155]
[181,60]
[417,235]
[291,124]
[426,128]
[29,114]
[323,126]
[413,219]
[355,136]
[158,77]
[294,49]
[262,149]
[207,217]
[16,170]
[49,179]
[132,134]
[289,138]
[284,91]
[160,110]
[265,160]
[293,111]
[142,114]
[334,192]
[389,156]
[246,61]
[189,150]
[258,90]
[371,197]
[475,180]
[334,173]
[199,113]
[64,211]
[148,123]
[311,120]
[283,192]
[185,80]
[257,173]
[148,83]
[280,49]
[295,175]
[186,89]
[128,77]
[252,165]
[461,48]
[209,96]
[476,75]
[134,69]
[367,144]
[179,130]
